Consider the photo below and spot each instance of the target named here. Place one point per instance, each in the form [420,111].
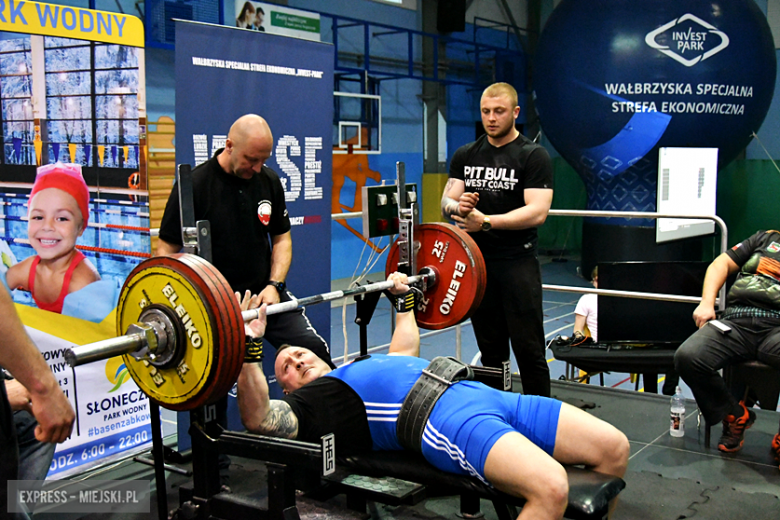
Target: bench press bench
[292,463]
[589,491]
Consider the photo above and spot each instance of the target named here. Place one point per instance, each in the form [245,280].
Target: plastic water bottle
[677,423]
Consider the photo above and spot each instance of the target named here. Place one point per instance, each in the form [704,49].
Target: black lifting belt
[440,374]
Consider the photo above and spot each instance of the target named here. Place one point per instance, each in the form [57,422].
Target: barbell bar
[146,335]
[182,336]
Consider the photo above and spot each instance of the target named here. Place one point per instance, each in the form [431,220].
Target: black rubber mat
[649,496]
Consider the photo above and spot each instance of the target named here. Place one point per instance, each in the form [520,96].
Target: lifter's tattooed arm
[259,413]
[280,421]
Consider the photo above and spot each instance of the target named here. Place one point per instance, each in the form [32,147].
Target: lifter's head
[248,146]
[296,366]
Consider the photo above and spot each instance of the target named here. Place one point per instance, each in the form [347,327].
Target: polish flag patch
[264,212]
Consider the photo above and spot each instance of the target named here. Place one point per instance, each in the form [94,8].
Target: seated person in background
[58,212]
[753,315]
[586,313]
[514,442]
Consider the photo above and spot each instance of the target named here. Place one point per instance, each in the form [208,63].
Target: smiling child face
[54,224]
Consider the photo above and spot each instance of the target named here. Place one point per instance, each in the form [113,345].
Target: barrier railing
[583,290]
[640,214]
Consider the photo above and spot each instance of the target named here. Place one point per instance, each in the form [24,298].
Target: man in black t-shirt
[500,190]
[243,200]
[748,330]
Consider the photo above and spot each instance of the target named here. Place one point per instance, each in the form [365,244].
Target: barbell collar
[105,349]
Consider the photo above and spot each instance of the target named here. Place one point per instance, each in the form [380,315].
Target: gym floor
[668,478]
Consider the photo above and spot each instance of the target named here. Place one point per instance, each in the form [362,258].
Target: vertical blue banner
[223,73]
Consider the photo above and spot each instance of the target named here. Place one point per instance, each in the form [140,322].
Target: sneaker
[734,430]
[776,446]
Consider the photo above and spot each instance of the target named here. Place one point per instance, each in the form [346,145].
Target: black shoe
[734,430]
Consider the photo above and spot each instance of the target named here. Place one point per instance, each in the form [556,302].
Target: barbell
[180,329]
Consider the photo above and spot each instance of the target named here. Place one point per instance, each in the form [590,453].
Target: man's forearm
[521,218]
[259,413]
[281,258]
[716,276]
[253,400]
[450,197]
[19,354]
[406,337]
[449,207]
[533,214]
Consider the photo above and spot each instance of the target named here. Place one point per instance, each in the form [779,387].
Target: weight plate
[231,326]
[461,275]
[210,315]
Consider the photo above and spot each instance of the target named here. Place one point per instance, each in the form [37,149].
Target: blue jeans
[34,456]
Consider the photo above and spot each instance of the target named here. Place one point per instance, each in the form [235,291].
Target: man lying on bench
[514,442]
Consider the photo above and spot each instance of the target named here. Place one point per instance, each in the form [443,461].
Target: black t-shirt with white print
[500,176]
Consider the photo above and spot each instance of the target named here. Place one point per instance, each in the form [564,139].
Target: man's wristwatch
[280,286]
[486,225]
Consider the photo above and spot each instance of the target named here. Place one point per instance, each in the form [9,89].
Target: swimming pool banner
[112,414]
[70,22]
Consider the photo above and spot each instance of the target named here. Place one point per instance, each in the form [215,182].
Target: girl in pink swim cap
[58,212]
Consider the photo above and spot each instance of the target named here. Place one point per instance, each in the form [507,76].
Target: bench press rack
[295,464]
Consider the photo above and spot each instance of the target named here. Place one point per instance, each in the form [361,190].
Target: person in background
[243,200]
[45,400]
[749,329]
[246,17]
[586,325]
[34,456]
[500,191]
[259,16]
[586,312]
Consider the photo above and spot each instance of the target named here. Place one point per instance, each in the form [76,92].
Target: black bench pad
[589,491]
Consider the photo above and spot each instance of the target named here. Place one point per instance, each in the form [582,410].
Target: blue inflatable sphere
[617,79]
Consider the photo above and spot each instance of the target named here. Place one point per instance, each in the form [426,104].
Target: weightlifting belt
[416,408]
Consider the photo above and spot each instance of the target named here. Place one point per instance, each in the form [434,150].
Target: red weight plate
[200,294]
[460,285]
[230,325]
